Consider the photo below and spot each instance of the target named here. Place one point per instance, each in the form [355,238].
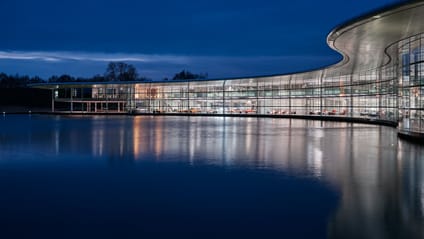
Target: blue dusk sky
[224,38]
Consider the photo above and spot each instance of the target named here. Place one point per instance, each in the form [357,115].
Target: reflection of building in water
[158,139]
[137,143]
[314,154]
[380,179]
[98,137]
[381,193]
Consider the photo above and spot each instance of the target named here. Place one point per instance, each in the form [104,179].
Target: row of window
[393,92]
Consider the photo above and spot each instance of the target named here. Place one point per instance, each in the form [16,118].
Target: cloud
[27,56]
[82,56]
[128,57]
[87,64]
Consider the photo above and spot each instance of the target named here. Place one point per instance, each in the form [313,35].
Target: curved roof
[363,41]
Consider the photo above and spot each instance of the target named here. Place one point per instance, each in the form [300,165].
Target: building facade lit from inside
[389,90]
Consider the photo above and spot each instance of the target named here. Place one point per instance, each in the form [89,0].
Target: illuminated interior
[380,79]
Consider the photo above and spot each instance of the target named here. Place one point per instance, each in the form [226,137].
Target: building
[379,80]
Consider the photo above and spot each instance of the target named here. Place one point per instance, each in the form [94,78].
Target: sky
[223,38]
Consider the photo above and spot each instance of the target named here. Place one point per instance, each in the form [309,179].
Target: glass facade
[411,84]
[371,94]
[376,82]
[379,94]
[366,95]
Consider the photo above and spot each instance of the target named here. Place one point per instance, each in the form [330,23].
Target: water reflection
[380,179]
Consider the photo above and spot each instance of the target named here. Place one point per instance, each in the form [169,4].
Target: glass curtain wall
[368,94]
[94,97]
[411,84]
[392,93]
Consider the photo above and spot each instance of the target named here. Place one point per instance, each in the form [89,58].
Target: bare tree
[120,71]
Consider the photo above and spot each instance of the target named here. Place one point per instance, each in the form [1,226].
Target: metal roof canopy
[363,42]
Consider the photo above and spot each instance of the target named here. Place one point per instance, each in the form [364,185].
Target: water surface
[199,177]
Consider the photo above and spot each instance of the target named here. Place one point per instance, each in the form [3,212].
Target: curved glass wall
[381,79]
[371,94]
[411,85]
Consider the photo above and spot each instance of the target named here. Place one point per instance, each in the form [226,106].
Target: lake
[206,177]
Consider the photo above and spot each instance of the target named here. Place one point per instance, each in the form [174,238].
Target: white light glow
[83,56]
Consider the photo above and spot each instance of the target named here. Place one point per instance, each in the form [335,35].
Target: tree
[65,78]
[13,81]
[120,71]
[36,79]
[187,75]
[97,78]
[53,78]
[110,73]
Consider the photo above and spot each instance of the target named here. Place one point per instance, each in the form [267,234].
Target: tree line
[115,71]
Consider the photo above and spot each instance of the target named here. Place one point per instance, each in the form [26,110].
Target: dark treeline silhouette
[17,81]
[187,75]
[115,71]
[16,96]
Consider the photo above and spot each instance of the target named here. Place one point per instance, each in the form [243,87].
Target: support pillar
[72,100]
[320,91]
[53,96]
[290,96]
